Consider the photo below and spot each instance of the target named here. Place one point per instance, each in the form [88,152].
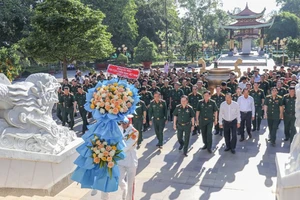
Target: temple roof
[248,25]
[247,14]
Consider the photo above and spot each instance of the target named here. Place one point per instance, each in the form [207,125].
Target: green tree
[146,51]
[67,31]
[293,47]
[120,19]
[14,20]
[10,62]
[292,6]
[285,25]
[193,49]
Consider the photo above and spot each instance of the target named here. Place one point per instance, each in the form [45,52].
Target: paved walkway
[167,174]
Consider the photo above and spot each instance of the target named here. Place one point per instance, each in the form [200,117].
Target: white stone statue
[26,121]
[293,164]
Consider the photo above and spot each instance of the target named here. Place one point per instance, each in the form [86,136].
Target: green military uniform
[137,119]
[258,97]
[282,91]
[165,92]
[206,119]
[273,115]
[147,98]
[289,117]
[158,113]
[153,90]
[176,96]
[235,97]
[81,100]
[73,89]
[87,87]
[205,83]
[218,99]
[201,90]
[184,125]
[59,107]
[186,90]
[68,109]
[265,87]
[193,101]
[232,85]
[225,90]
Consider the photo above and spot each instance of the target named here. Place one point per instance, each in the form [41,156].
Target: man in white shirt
[247,109]
[243,82]
[128,165]
[229,118]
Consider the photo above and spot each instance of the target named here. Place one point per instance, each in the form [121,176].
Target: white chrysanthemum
[102,111]
[97,151]
[124,104]
[104,143]
[102,150]
[110,111]
[100,155]
[103,95]
[112,105]
[112,153]
[122,110]
[107,104]
[98,104]
[116,97]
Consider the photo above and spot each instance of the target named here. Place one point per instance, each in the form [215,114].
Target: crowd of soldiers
[164,97]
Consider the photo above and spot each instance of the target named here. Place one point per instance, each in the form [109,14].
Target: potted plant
[145,52]
[122,59]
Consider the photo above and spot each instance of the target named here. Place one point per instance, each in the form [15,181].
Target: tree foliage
[146,51]
[293,47]
[10,62]
[285,25]
[193,49]
[292,6]
[67,31]
[120,19]
[14,20]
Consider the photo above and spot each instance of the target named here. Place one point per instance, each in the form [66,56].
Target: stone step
[25,197]
[243,64]
[73,191]
[11,198]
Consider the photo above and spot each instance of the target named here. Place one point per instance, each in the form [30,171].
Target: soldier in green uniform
[264,85]
[139,118]
[175,97]
[87,85]
[237,94]
[289,117]
[281,90]
[200,88]
[184,123]
[147,97]
[206,116]
[232,84]
[59,105]
[273,113]
[154,88]
[259,98]
[219,98]
[68,104]
[225,89]
[186,89]
[74,87]
[194,98]
[80,99]
[158,113]
[65,83]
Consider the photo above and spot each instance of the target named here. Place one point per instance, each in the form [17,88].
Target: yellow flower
[94,155]
[115,84]
[98,88]
[130,93]
[103,158]
[92,106]
[114,148]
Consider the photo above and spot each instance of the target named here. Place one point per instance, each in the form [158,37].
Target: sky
[254,5]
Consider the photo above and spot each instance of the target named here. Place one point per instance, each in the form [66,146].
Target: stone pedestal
[30,173]
[288,186]
[246,46]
